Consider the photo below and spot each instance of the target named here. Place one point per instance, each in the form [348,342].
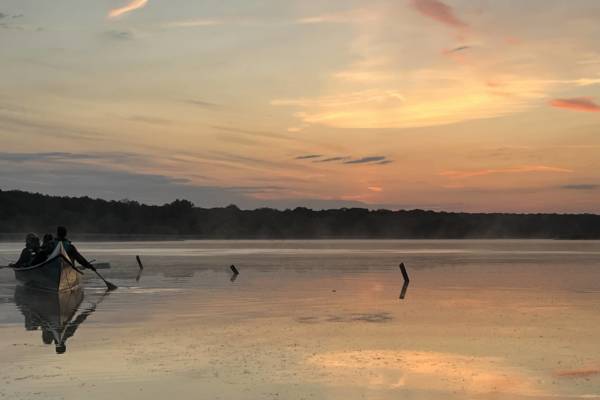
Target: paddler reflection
[57,314]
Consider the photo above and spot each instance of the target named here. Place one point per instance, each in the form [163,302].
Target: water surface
[312,320]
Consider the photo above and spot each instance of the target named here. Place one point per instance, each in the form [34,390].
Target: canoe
[56,274]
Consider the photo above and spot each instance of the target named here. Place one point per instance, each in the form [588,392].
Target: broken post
[404,273]
[139,261]
[406,280]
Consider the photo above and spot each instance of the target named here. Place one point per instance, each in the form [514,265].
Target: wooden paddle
[109,286]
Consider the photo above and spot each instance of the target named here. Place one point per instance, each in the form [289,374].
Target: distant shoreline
[87,237]
[93,219]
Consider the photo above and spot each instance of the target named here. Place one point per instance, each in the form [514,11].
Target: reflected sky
[306,327]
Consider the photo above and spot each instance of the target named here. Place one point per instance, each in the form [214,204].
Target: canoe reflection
[56,314]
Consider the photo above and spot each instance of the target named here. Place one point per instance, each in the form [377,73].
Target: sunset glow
[433,104]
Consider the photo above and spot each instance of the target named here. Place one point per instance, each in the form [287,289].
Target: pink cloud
[131,6]
[576,104]
[438,11]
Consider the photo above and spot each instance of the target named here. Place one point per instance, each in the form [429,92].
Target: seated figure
[32,247]
[61,237]
[47,248]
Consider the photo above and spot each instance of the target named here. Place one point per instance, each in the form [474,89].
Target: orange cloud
[511,170]
[133,5]
[375,189]
[438,11]
[576,104]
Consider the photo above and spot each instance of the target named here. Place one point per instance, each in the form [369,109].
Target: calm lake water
[312,320]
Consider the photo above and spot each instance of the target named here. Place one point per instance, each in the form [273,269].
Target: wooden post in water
[234,270]
[406,280]
[139,261]
[404,273]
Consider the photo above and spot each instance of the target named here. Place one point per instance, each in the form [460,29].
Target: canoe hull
[57,274]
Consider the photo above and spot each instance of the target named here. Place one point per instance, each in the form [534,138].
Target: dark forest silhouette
[22,212]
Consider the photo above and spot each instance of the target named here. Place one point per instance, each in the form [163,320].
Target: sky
[458,105]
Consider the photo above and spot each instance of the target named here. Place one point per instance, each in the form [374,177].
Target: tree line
[23,212]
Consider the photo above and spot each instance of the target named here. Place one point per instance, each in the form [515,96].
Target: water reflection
[403,291]
[452,375]
[57,315]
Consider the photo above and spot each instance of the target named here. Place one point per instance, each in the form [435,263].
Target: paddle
[109,286]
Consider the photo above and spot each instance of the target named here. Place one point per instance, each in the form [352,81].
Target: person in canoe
[32,247]
[45,250]
[61,237]
[48,243]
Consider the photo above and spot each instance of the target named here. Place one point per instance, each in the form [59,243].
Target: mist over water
[314,319]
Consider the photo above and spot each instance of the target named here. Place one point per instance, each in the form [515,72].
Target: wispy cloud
[576,104]
[132,6]
[438,11]
[581,186]
[317,158]
[590,59]
[346,99]
[62,158]
[7,22]
[342,17]
[511,170]
[22,123]
[349,16]
[253,133]
[119,34]
[332,159]
[259,189]
[367,160]
[57,156]
[385,108]
[457,49]
[576,82]
[193,23]
[149,120]
[202,103]
[11,16]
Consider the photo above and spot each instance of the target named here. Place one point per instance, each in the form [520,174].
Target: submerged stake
[234,269]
